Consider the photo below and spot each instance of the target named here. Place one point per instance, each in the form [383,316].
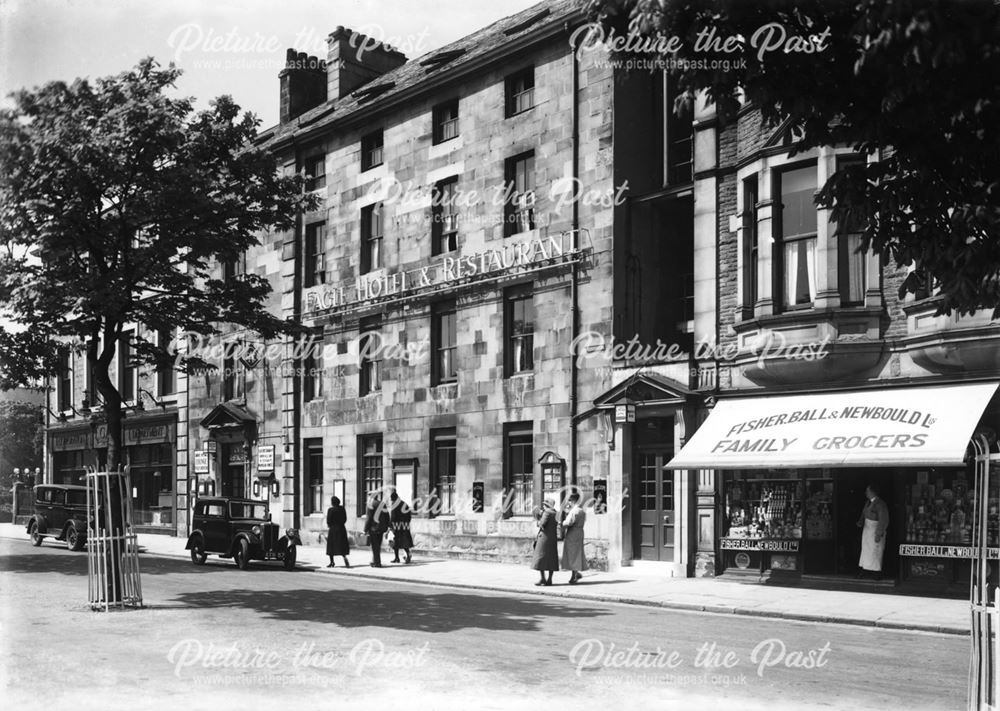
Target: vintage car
[60,513]
[240,529]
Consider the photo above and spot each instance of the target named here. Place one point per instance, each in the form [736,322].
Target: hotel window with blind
[234,268]
[520,91]
[314,473]
[750,245]
[312,371]
[371,150]
[371,237]
[445,117]
[443,468]
[315,257]
[370,469]
[519,329]
[126,368]
[91,395]
[370,355]
[315,172]
[519,469]
[796,229]
[851,261]
[64,395]
[444,217]
[519,209]
[444,340]
[166,376]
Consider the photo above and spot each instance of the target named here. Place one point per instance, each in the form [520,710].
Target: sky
[224,46]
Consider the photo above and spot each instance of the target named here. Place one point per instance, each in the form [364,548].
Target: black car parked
[240,529]
[60,513]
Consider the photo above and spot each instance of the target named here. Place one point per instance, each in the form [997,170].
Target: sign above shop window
[65,441]
[928,426]
[156,433]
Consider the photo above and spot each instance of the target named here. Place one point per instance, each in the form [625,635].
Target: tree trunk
[113,414]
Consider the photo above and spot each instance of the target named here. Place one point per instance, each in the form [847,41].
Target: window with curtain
[370,352]
[371,238]
[519,469]
[750,243]
[851,261]
[314,474]
[443,468]
[444,217]
[315,255]
[371,469]
[444,341]
[519,209]
[798,236]
[519,320]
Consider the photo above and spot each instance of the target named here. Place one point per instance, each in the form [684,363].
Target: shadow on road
[392,608]
[43,560]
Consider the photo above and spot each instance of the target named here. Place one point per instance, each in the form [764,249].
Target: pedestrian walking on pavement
[546,558]
[337,542]
[573,557]
[875,521]
[399,521]
[376,524]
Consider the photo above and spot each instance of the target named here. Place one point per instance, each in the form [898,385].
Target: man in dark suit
[376,524]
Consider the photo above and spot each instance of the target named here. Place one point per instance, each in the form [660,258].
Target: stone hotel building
[480,338]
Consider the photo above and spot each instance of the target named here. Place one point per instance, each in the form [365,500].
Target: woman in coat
[399,523]
[572,555]
[337,542]
[546,552]
[376,525]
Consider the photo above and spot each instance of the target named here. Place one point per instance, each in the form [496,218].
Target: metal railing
[112,545]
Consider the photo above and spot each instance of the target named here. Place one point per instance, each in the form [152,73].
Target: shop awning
[928,426]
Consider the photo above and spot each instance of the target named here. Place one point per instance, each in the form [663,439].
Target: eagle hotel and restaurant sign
[515,257]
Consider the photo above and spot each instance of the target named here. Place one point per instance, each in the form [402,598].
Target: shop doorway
[850,502]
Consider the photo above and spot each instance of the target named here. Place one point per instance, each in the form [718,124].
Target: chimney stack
[303,84]
[354,59]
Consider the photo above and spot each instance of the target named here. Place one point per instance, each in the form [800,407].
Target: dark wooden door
[656,507]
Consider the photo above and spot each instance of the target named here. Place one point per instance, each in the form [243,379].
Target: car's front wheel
[289,559]
[74,541]
[198,554]
[36,537]
[242,555]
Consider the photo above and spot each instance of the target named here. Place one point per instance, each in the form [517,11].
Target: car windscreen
[76,498]
[244,510]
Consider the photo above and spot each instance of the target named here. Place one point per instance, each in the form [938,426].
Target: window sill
[365,169]
[519,113]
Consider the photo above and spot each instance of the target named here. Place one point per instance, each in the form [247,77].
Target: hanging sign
[265,458]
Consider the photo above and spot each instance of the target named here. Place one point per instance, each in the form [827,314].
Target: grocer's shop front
[795,473]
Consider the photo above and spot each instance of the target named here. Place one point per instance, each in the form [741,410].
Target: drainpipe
[297,489]
[574,297]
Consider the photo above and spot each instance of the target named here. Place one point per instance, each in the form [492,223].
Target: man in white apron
[874,521]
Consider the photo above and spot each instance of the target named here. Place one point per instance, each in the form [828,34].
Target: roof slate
[418,70]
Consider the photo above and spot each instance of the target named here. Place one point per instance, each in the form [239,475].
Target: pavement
[635,585]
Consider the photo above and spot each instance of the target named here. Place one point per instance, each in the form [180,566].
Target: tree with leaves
[913,83]
[20,440]
[118,202]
